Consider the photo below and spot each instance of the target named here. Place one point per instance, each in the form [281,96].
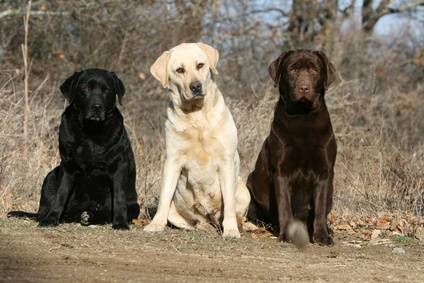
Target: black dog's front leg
[120,183]
[55,212]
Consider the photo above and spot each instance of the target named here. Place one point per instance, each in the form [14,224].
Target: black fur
[95,180]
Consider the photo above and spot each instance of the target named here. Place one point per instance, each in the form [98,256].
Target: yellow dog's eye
[180,70]
[199,66]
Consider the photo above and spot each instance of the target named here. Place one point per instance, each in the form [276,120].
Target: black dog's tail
[22,214]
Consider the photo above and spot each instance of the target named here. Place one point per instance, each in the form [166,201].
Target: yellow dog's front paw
[154,227]
[231,234]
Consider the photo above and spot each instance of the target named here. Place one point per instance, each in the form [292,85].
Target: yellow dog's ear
[212,54]
[159,69]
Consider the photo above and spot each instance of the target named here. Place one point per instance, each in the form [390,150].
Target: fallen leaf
[142,76]
[343,227]
[383,223]
[419,233]
[375,234]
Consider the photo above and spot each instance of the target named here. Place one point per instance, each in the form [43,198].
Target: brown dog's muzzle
[303,90]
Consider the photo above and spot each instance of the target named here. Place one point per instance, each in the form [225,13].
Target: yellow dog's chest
[200,145]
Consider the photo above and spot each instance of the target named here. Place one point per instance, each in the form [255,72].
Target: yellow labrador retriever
[201,185]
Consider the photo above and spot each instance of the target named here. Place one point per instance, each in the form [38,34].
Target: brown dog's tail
[297,234]
[22,214]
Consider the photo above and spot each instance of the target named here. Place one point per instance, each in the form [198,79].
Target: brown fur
[293,176]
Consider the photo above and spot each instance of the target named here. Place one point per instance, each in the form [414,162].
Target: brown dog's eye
[199,66]
[313,71]
[180,70]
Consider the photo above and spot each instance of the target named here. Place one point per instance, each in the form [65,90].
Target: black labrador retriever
[95,181]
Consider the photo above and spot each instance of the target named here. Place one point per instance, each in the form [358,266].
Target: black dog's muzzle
[96,113]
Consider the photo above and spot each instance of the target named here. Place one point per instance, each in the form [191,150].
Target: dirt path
[72,253]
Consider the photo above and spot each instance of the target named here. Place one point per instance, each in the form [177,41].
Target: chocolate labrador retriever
[292,183]
[95,181]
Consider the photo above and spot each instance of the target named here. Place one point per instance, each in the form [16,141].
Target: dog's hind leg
[242,206]
[48,194]
[177,220]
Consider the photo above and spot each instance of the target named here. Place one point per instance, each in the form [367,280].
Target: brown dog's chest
[304,162]
[302,151]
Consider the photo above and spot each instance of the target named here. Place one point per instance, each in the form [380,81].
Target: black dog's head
[93,92]
[302,77]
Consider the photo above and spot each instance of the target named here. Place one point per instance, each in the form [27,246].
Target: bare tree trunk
[301,22]
[191,13]
[371,16]
[24,47]
[312,23]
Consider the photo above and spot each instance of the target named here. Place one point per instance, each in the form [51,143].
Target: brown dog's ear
[68,86]
[212,54]
[119,87]
[329,70]
[159,69]
[274,69]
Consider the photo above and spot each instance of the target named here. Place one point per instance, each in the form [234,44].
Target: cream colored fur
[201,185]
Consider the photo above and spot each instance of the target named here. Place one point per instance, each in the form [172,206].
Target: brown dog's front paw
[282,237]
[323,239]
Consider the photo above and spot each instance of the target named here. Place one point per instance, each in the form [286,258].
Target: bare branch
[12,13]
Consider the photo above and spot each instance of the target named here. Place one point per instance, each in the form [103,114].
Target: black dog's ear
[119,87]
[329,70]
[274,69]
[67,88]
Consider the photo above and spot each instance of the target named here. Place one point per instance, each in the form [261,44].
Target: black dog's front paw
[85,218]
[121,226]
[48,222]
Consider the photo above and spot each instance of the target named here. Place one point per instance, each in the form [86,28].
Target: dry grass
[377,106]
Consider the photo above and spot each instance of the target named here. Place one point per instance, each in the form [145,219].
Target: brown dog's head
[302,77]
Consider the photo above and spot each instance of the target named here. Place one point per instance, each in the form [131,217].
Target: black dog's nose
[196,88]
[97,107]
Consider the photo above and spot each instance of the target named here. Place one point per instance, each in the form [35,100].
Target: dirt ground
[73,253]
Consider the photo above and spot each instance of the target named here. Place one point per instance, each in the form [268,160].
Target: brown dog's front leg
[321,235]
[285,214]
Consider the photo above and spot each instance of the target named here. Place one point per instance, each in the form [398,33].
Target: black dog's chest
[91,157]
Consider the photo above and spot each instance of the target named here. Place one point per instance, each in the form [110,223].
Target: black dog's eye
[199,66]
[180,70]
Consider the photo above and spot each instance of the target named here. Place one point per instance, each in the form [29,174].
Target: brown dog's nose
[304,88]
[196,88]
